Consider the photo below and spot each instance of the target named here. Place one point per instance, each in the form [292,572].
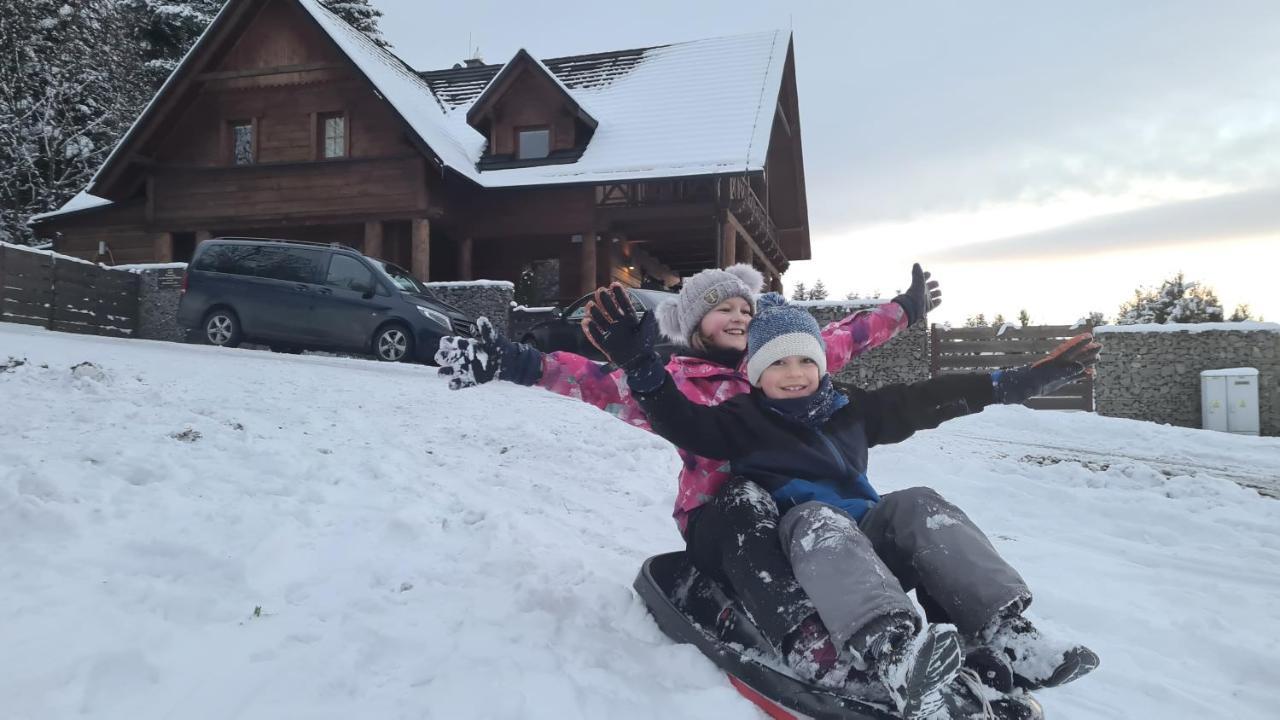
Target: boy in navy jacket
[855,552]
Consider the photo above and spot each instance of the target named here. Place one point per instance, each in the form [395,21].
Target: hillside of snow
[189,532]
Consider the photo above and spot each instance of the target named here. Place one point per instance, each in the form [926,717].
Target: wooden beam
[260,72]
[464,258]
[731,219]
[421,233]
[162,247]
[728,243]
[373,239]
[587,274]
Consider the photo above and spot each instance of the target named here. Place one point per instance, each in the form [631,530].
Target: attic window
[533,143]
[332,135]
[243,147]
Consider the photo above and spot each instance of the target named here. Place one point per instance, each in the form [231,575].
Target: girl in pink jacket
[729,525]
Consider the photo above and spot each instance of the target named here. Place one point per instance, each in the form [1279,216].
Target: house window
[242,142]
[333,135]
[533,143]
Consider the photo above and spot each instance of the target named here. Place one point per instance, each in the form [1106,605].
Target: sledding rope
[970,678]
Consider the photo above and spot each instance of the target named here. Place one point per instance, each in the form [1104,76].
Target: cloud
[1224,217]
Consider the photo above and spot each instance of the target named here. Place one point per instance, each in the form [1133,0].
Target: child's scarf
[811,411]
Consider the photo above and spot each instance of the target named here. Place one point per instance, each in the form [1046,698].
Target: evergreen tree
[978,320]
[1024,317]
[1093,319]
[998,320]
[1241,313]
[800,292]
[165,30]
[66,95]
[361,15]
[819,291]
[1177,301]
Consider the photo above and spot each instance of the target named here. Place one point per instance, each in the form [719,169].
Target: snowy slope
[427,554]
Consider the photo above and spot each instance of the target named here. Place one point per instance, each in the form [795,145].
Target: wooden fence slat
[1042,346]
[1013,333]
[960,350]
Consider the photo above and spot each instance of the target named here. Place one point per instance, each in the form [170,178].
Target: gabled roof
[693,108]
[493,91]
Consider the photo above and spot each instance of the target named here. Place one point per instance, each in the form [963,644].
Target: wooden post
[203,235]
[464,259]
[588,273]
[162,247]
[421,262]
[373,239]
[728,244]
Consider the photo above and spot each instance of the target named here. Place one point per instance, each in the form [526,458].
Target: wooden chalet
[637,165]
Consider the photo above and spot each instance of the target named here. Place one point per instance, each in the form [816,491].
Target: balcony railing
[746,206]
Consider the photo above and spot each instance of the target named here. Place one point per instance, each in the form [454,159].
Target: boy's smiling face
[794,376]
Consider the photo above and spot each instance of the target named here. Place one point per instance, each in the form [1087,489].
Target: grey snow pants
[857,574]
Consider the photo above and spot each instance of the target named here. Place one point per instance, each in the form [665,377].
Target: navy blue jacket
[796,463]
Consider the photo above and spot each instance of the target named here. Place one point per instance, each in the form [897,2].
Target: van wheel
[222,328]
[393,344]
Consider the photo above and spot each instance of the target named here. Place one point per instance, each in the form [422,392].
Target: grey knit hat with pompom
[679,318]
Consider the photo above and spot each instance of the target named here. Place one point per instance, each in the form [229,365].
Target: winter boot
[809,652]
[1012,652]
[967,698]
[915,668]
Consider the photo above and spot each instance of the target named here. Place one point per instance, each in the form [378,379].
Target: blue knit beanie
[780,330]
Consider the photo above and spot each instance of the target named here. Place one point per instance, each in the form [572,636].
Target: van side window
[277,263]
[349,274]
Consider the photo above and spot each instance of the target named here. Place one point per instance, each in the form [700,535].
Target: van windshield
[399,276]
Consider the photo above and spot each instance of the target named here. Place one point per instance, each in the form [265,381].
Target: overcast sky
[1051,158]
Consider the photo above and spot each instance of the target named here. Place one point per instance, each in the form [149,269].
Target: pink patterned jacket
[707,383]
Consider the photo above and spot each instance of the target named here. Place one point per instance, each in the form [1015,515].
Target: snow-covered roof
[82,201]
[693,108]
[1246,326]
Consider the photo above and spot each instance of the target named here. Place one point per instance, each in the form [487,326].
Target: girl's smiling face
[725,327]
[794,376]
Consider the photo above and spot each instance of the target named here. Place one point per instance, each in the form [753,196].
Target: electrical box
[1229,400]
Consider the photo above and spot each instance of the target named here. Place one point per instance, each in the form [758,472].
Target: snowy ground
[419,553]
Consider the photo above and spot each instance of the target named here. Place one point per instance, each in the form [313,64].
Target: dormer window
[533,143]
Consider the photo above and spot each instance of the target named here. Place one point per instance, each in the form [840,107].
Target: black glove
[613,325]
[1069,361]
[921,297]
[468,362]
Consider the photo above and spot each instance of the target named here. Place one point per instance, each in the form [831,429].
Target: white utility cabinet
[1229,400]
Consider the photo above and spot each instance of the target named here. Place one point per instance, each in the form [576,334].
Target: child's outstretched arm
[614,326]
[866,329]
[895,412]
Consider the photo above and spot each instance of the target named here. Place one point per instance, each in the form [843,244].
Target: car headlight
[438,317]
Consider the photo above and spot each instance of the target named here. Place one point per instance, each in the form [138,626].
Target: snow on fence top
[50,253]
[1246,326]
[472,283]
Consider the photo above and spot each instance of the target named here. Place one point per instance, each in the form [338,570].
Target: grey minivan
[293,295]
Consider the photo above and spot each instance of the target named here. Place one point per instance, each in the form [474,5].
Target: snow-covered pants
[734,540]
[857,574]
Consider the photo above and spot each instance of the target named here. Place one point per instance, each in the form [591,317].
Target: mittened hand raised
[922,297]
[469,362]
[612,324]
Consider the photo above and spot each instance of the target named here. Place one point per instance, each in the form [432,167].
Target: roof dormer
[529,117]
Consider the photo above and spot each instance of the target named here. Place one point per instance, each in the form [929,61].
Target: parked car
[293,295]
[563,332]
